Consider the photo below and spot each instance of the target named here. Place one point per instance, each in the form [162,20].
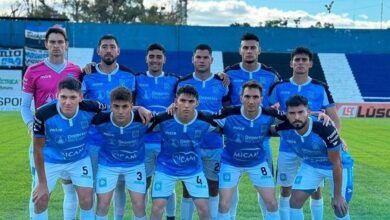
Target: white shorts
[260,175]
[310,178]
[151,152]
[164,185]
[286,171]
[107,178]
[80,172]
[211,162]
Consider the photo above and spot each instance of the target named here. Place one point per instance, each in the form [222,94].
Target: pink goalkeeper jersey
[41,81]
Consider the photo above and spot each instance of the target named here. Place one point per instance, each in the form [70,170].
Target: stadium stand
[372,73]
[340,79]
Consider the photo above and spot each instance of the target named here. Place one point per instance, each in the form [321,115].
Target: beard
[299,126]
[108,61]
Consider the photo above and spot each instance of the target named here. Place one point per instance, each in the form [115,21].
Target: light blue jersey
[211,93]
[313,146]
[65,138]
[265,75]
[155,94]
[98,86]
[316,92]
[121,146]
[243,136]
[180,144]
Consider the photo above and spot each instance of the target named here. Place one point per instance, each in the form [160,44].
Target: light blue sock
[284,208]
[87,214]
[119,200]
[224,216]
[272,215]
[234,204]
[171,205]
[317,209]
[101,217]
[187,208]
[31,207]
[213,206]
[296,214]
[41,216]
[70,203]
[139,218]
[262,206]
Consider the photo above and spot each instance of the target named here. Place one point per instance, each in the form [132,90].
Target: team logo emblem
[103,182]
[157,186]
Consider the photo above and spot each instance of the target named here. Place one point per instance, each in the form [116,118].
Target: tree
[276,23]
[237,24]
[45,11]
[78,10]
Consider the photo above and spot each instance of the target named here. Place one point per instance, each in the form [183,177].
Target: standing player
[245,128]
[250,69]
[40,84]
[60,134]
[107,75]
[155,91]
[211,92]
[319,98]
[122,153]
[179,158]
[319,147]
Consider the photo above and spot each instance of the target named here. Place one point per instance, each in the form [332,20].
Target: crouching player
[60,132]
[122,153]
[319,147]
[180,158]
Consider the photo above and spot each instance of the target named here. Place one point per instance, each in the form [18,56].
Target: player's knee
[272,205]
[296,203]
[158,207]
[86,201]
[223,205]
[203,208]
[102,207]
[138,205]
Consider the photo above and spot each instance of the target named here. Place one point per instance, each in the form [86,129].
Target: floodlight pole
[381,13]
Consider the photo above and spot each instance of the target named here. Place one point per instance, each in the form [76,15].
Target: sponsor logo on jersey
[125,155]
[246,154]
[184,158]
[45,77]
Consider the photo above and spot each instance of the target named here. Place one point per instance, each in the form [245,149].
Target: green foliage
[367,140]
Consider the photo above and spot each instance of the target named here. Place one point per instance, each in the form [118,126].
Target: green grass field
[367,139]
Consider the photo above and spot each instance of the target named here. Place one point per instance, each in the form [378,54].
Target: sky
[362,14]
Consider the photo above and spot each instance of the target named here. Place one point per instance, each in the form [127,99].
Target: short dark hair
[71,84]
[188,90]
[252,84]
[302,50]
[121,94]
[156,46]
[108,37]
[56,29]
[297,100]
[203,47]
[250,36]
